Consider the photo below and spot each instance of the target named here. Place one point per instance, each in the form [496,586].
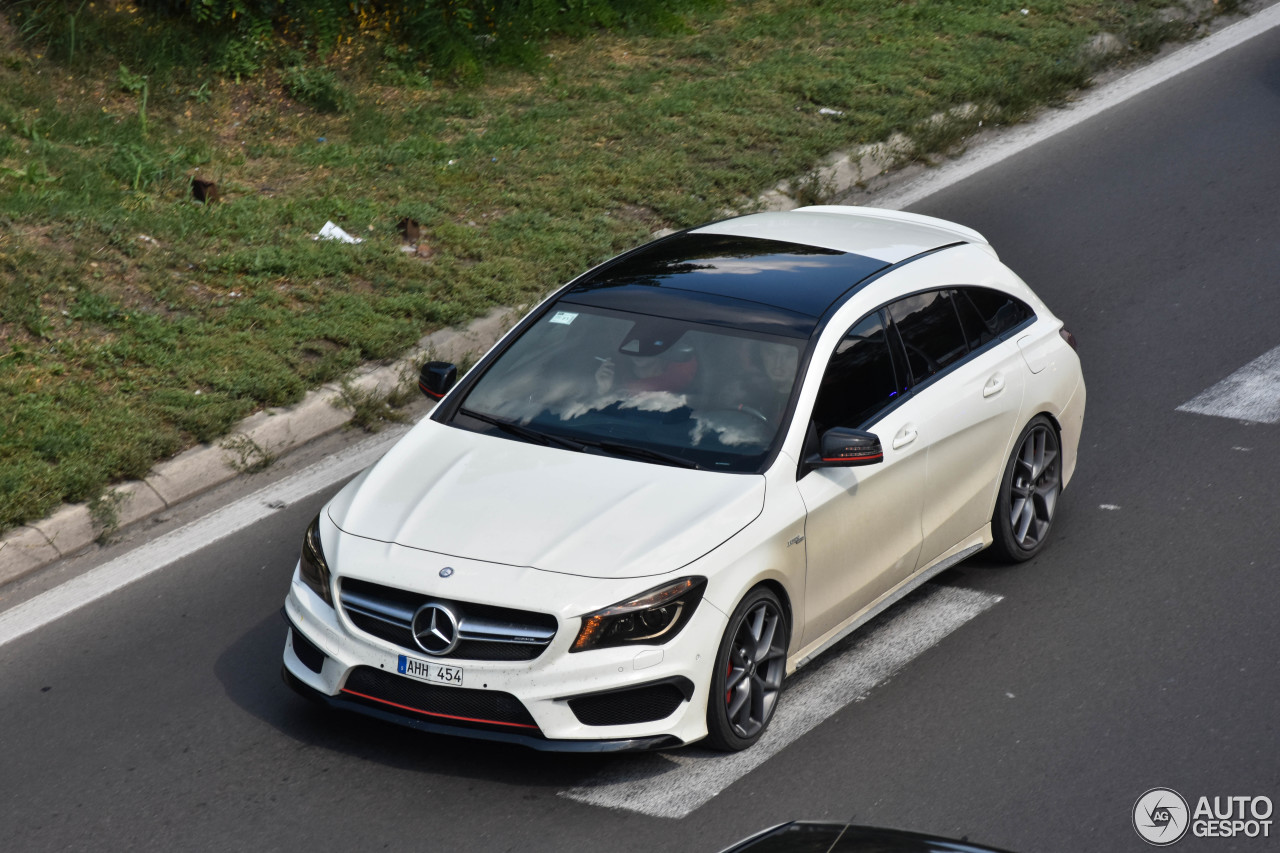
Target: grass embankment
[135,322]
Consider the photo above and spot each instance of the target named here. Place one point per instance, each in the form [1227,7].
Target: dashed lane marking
[674,784]
[1252,393]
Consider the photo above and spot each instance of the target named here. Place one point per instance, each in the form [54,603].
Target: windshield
[625,384]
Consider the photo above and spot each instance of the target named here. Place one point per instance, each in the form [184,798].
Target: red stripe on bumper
[435,714]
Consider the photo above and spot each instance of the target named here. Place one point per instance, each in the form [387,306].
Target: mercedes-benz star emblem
[435,629]
[447,571]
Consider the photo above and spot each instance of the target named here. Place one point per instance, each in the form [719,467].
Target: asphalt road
[1140,650]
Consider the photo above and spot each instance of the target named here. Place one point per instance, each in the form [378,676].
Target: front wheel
[1028,493]
[749,668]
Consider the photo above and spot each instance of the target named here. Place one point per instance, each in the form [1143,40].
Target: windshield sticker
[564,317]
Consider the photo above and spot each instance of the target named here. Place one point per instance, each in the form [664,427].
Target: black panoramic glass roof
[783,283]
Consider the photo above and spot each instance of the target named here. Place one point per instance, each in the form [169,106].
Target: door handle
[905,436]
[994,385]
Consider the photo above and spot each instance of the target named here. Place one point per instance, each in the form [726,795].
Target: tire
[1028,493]
[749,668]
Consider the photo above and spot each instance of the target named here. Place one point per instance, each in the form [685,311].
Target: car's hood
[463,494]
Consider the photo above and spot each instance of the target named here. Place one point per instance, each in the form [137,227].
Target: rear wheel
[1028,493]
[749,668]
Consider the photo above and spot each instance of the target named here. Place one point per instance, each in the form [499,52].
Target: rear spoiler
[962,232]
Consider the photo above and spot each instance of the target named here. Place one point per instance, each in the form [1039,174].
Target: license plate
[430,672]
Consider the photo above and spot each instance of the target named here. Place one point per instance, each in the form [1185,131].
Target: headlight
[652,617]
[313,568]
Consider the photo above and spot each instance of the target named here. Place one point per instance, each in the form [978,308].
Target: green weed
[318,87]
[104,512]
[815,186]
[136,84]
[372,409]
[248,457]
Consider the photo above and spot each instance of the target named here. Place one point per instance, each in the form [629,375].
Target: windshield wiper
[509,427]
[578,444]
[523,432]
[634,452]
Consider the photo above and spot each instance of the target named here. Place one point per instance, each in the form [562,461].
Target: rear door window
[930,331]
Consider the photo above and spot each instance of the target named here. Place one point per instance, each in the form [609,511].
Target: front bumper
[427,725]
[540,704]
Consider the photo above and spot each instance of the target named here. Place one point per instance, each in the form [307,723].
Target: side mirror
[845,448]
[436,378]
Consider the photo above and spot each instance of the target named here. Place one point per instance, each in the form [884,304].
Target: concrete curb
[273,433]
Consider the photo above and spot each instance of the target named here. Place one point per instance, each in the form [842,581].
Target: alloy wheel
[1033,492]
[755,667]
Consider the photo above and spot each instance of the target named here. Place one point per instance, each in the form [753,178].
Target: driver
[766,381]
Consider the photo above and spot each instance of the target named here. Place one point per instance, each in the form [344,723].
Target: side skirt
[891,599]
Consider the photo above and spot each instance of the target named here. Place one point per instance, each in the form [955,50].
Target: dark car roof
[746,282]
[820,837]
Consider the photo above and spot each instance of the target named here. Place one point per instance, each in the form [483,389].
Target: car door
[966,386]
[862,530]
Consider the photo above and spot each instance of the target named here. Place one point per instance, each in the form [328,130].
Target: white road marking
[1109,507]
[1252,393]
[674,784]
[1094,102]
[168,549]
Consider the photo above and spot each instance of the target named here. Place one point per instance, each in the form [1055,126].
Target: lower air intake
[311,656]
[459,706]
[642,704]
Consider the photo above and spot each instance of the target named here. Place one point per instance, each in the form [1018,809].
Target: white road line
[674,784]
[168,549]
[1252,393]
[1096,101]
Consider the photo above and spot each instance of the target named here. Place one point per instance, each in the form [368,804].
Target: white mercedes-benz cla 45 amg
[684,474]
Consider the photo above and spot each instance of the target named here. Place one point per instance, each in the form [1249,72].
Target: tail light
[1068,337]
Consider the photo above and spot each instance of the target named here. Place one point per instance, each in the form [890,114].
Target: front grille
[486,632]
[460,706]
[482,650]
[624,707]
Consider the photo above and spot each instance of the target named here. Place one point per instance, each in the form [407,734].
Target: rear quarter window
[987,314]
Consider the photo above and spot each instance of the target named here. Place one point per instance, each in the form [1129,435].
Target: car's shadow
[249,670]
